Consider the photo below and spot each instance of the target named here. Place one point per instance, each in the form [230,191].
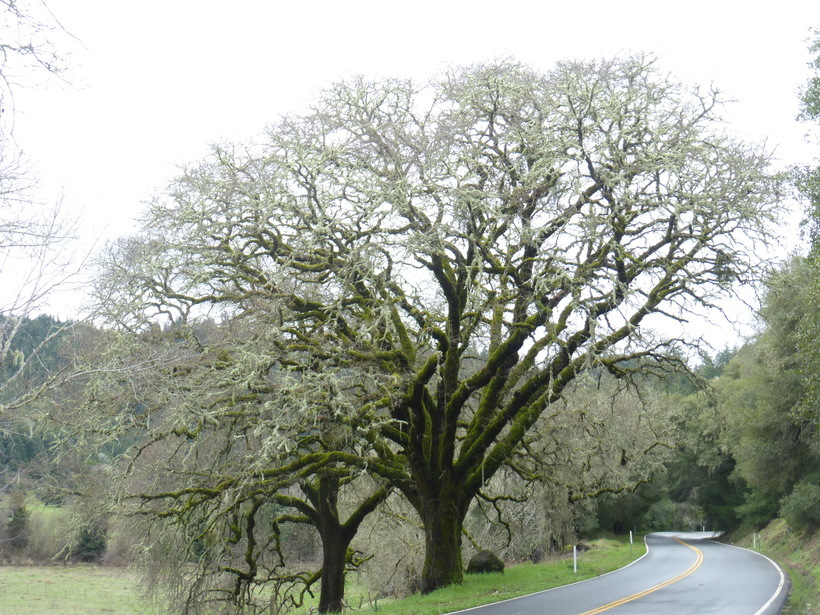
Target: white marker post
[575,559]
[630,542]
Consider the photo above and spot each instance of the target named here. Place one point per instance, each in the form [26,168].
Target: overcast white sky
[155,81]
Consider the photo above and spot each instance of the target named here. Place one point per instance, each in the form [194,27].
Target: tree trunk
[443,521]
[322,511]
[335,540]
[334,551]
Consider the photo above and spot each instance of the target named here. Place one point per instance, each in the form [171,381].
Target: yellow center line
[655,588]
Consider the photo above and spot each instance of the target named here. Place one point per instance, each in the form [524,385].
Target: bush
[17,523]
[91,542]
[801,508]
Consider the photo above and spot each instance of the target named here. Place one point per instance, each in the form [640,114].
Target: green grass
[86,590]
[605,556]
[68,590]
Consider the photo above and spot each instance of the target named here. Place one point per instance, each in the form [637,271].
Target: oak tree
[222,440]
[460,252]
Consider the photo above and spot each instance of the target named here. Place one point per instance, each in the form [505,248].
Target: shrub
[801,508]
[91,542]
[17,523]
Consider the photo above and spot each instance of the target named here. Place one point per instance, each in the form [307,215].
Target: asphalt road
[682,573]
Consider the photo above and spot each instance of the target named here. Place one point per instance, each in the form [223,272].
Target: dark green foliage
[661,516]
[712,367]
[699,481]
[19,449]
[801,508]
[807,180]
[751,436]
[34,347]
[692,478]
[771,432]
[37,351]
[91,542]
[17,523]
[622,512]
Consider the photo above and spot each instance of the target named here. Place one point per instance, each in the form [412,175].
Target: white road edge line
[544,591]
[780,586]
[760,611]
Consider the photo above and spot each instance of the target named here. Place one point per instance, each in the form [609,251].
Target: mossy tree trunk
[443,517]
[321,510]
[335,541]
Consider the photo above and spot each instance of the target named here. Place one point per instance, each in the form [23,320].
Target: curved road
[682,573]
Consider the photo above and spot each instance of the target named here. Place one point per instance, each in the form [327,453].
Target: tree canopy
[808,183]
[442,261]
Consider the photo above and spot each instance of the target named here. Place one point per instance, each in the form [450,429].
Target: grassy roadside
[606,555]
[87,590]
[799,555]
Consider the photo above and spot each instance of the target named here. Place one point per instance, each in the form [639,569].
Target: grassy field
[86,590]
[68,590]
